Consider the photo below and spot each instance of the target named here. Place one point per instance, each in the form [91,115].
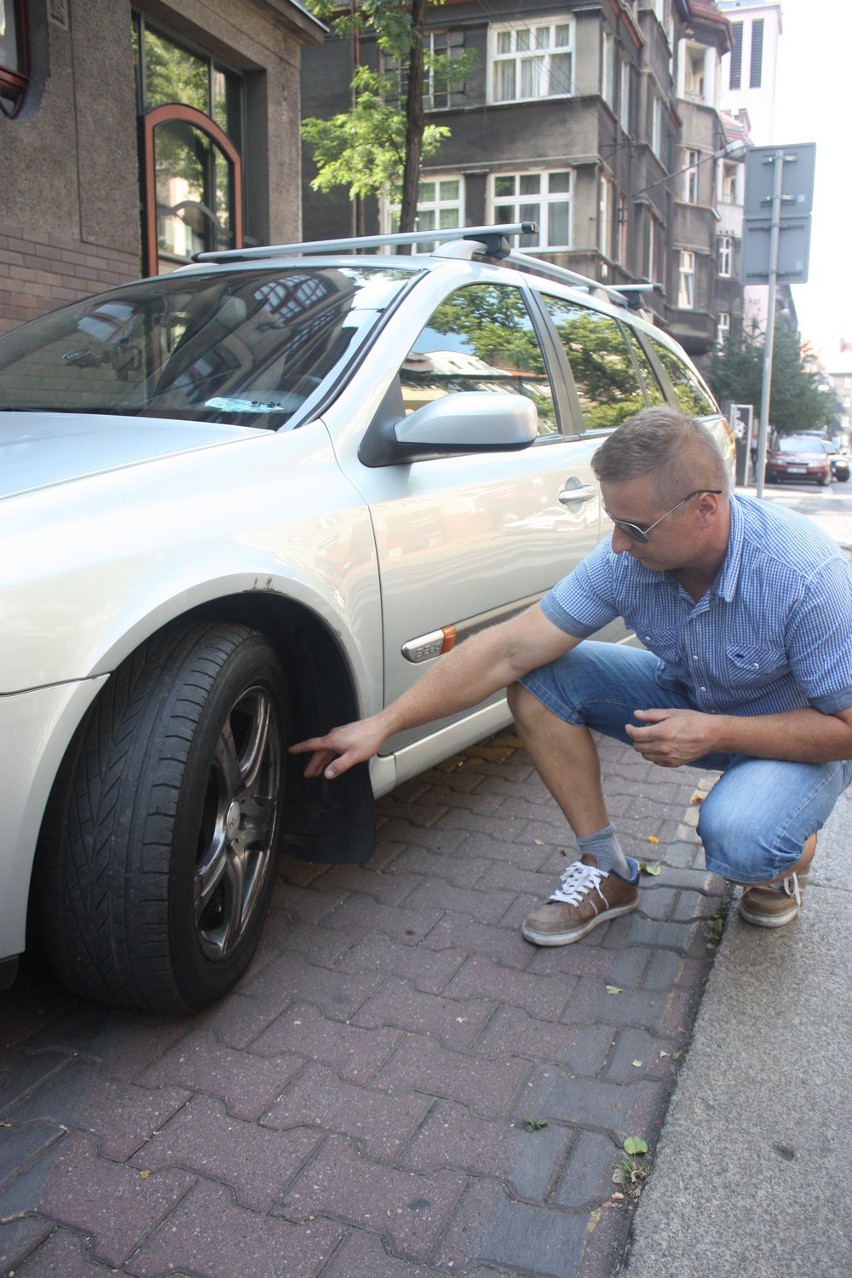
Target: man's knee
[525,707]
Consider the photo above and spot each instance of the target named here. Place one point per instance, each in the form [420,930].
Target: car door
[464,541]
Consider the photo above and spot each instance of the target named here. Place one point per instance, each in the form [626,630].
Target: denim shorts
[759,813]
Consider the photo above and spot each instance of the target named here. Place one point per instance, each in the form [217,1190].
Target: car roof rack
[493,241]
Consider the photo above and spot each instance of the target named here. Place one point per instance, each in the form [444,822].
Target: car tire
[159,856]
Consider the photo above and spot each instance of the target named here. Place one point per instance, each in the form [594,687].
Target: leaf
[651,867]
[534,1124]
[635,1145]
[638,1064]
[614,989]
[652,839]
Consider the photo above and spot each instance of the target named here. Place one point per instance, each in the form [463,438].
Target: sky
[814,85]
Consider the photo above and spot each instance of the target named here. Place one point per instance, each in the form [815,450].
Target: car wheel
[159,855]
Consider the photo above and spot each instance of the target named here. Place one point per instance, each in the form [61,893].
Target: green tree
[378,145]
[796,401]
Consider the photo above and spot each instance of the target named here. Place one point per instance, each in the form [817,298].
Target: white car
[244,502]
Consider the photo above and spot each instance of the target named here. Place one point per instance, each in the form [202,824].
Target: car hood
[41,449]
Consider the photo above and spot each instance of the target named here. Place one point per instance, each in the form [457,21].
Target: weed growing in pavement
[633,1167]
[716,924]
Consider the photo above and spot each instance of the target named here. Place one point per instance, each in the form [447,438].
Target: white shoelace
[577,882]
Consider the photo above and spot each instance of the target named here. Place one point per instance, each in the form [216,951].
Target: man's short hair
[680,453]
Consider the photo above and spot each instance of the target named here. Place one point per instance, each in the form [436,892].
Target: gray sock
[605,847]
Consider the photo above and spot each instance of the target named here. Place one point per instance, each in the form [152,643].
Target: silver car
[243,502]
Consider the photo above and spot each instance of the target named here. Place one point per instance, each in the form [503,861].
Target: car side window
[605,375]
[481,338]
[692,396]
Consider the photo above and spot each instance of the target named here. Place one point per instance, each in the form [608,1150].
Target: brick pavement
[358,1107]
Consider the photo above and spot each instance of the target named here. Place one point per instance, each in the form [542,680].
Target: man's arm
[469,674]
[672,738]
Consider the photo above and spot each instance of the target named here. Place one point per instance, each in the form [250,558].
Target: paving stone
[72,1186]
[380,1122]
[248,1083]
[306,904]
[581,1050]
[130,1040]
[362,1255]
[63,1255]
[390,886]
[20,1146]
[460,871]
[404,834]
[18,1239]
[487,1086]
[119,1115]
[586,1179]
[683,937]
[254,1161]
[487,903]
[458,1250]
[238,1019]
[382,954]
[290,978]
[455,1022]
[23,1074]
[534,1241]
[391,920]
[542,996]
[304,1032]
[322,944]
[656,903]
[459,932]
[410,1209]
[502,830]
[452,1137]
[208,1234]
[588,1103]
[634,1045]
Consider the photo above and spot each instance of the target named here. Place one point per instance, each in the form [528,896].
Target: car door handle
[581,493]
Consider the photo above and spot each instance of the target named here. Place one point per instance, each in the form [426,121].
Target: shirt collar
[727,578]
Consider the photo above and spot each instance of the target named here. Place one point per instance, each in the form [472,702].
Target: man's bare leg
[565,758]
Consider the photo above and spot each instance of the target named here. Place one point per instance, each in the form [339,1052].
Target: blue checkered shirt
[773,633]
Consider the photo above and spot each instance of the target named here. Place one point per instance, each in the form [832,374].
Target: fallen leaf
[650,867]
[651,839]
[662,1054]
[613,989]
[143,1175]
[637,1064]
[534,1124]
[617,1195]
[698,797]
[635,1145]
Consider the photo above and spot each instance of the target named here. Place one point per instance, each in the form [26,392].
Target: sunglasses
[635,533]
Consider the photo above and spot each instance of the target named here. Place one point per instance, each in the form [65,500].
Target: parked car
[248,500]
[839,461]
[800,458]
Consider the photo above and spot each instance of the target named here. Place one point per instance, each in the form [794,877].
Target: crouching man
[745,613]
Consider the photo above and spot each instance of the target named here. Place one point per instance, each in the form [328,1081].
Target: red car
[798,457]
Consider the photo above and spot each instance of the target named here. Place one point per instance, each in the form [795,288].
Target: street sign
[797,186]
[793,250]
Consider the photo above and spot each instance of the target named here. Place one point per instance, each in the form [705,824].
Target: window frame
[541,199]
[725,260]
[519,56]
[16,81]
[686,280]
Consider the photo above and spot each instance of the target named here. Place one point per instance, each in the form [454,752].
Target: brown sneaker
[777,902]
[586,897]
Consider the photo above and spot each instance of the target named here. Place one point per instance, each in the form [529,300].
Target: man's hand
[673,737]
[340,749]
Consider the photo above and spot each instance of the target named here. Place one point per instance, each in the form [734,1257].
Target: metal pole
[775,236]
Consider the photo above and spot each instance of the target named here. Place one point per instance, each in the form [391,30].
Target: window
[605,376]
[192,132]
[480,339]
[693,73]
[622,230]
[440,206]
[726,255]
[692,395]
[657,125]
[686,280]
[14,56]
[624,97]
[756,61]
[729,183]
[723,328]
[690,176]
[544,198]
[608,68]
[653,389]
[605,217]
[444,71]
[531,60]
[654,242]
[735,71]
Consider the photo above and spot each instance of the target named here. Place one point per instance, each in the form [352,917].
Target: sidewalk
[752,1171]
[401,1086]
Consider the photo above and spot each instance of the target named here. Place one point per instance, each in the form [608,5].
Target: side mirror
[465,422]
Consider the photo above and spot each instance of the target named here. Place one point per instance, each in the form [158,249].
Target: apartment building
[134,134]
[581,116]
[748,70]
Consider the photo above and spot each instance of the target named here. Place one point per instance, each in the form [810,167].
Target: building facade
[598,120]
[134,134]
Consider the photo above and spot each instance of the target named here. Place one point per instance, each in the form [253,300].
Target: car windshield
[254,347]
[797,444]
